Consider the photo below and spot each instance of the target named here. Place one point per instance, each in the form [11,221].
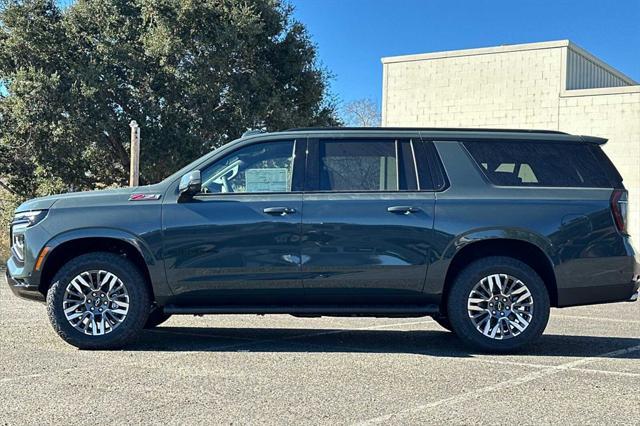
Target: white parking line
[499,386]
[545,366]
[580,317]
[247,342]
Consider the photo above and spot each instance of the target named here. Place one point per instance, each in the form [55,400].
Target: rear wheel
[498,304]
[98,301]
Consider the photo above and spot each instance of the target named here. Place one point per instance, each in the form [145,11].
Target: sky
[352,35]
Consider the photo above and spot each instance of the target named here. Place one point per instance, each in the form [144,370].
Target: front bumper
[23,289]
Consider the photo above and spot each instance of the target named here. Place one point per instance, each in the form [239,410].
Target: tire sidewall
[156,317]
[138,301]
[470,276]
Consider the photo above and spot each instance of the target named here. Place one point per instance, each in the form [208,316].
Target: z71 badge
[144,197]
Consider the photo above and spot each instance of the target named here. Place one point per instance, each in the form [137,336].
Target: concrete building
[553,85]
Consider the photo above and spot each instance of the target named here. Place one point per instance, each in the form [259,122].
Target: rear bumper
[609,293]
[589,281]
[598,294]
[23,289]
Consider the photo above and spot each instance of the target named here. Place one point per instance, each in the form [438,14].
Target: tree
[193,74]
[361,113]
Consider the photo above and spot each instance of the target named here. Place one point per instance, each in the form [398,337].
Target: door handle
[281,211]
[403,209]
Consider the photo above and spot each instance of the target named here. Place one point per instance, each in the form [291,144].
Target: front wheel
[156,317]
[443,322]
[98,301]
[498,304]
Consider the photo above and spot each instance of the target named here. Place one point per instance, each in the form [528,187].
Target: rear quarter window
[554,164]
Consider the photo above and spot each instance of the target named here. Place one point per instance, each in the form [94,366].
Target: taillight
[619,203]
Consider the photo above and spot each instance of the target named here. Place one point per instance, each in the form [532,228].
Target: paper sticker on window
[266,180]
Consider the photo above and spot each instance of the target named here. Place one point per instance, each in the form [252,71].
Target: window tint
[406,167]
[264,167]
[524,163]
[360,165]
[612,173]
[430,170]
[357,165]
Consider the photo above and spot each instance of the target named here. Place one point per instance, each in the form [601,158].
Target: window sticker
[266,180]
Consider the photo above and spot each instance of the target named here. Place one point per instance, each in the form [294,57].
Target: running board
[372,310]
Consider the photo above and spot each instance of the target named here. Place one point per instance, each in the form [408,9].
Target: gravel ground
[280,369]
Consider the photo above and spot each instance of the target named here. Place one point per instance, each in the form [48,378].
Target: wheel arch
[523,250]
[65,247]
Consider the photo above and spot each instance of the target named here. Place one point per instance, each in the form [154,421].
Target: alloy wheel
[95,302]
[500,306]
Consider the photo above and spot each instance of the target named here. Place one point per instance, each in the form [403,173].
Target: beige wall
[615,116]
[522,86]
[517,89]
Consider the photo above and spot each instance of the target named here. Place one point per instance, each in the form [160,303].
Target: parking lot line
[245,342]
[581,317]
[544,366]
[501,385]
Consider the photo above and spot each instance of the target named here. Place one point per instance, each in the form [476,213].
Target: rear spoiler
[594,139]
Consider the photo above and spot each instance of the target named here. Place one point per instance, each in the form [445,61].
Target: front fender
[154,267]
[96,232]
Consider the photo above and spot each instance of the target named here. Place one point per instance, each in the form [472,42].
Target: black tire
[443,322]
[463,325]
[156,317]
[139,301]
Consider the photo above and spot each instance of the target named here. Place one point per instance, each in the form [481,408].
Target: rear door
[367,228]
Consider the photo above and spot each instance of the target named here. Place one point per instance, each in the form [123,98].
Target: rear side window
[526,163]
[360,165]
[430,170]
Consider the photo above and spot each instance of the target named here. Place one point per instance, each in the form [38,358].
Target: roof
[425,129]
[570,46]
[477,51]
[440,133]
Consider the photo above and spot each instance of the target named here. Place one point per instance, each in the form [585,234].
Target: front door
[238,242]
[367,228]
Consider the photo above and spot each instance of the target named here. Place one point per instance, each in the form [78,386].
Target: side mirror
[190,185]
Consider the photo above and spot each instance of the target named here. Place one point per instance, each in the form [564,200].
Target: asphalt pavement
[279,369]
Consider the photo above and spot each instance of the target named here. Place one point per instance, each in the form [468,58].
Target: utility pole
[134,170]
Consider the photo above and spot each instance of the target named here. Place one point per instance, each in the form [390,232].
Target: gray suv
[484,230]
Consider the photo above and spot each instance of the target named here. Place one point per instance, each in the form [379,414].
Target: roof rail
[253,132]
[430,129]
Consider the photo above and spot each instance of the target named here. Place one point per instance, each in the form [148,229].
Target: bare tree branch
[361,113]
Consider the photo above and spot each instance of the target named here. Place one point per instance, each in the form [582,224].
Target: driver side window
[263,167]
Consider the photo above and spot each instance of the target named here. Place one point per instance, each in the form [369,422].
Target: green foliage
[8,203]
[194,74]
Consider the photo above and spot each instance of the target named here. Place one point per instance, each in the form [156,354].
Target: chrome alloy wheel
[95,302]
[500,306]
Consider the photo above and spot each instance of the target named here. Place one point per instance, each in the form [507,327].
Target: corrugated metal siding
[583,73]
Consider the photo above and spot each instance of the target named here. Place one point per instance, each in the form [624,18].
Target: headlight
[20,222]
[27,219]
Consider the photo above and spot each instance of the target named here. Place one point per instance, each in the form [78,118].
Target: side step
[317,310]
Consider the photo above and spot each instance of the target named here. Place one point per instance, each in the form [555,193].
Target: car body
[304,235]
